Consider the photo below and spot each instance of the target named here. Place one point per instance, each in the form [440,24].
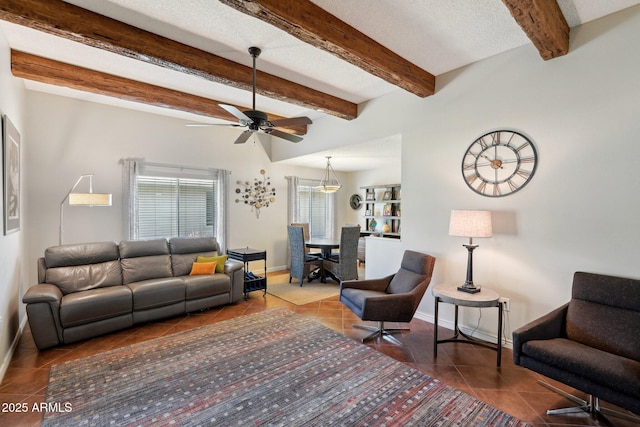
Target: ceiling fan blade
[293,121]
[283,135]
[211,124]
[244,119]
[244,136]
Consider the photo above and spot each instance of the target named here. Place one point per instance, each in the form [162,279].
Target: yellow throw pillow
[219,260]
[199,268]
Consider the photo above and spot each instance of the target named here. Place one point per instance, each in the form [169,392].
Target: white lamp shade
[89,199]
[467,223]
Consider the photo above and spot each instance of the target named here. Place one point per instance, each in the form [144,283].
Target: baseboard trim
[14,344]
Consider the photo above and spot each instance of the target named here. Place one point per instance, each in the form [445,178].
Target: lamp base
[470,289]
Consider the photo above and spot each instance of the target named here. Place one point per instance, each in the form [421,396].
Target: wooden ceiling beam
[83,26]
[314,25]
[544,24]
[36,68]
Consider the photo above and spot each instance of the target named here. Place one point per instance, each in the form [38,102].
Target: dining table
[326,247]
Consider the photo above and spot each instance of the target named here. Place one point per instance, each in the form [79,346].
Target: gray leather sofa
[90,289]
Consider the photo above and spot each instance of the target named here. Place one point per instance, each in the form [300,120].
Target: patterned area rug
[273,368]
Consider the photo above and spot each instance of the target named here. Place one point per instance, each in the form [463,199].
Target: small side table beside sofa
[252,282]
[448,293]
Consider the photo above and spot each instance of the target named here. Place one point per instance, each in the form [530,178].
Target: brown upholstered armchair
[590,343]
[394,298]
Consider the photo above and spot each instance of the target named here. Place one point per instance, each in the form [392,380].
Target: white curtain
[293,202]
[223,209]
[129,196]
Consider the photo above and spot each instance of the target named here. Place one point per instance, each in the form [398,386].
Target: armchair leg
[592,406]
[381,332]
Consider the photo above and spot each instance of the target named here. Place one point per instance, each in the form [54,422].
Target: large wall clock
[499,163]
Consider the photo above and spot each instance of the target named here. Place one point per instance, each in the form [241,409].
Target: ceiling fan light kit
[258,121]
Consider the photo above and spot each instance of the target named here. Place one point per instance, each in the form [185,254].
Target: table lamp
[468,223]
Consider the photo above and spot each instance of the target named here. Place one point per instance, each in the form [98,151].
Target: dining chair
[393,298]
[307,237]
[301,263]
[344,264]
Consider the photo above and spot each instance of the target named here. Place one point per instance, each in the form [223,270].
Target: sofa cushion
[206,286]
[145,268]
[154,293]
[190,245]
[140,248]
[144,260]
[84,277]
[80,308]
[80,254]
[600,367]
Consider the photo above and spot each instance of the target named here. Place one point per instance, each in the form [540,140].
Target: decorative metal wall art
[258,194]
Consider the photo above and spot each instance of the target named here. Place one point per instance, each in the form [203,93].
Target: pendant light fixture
[330,182]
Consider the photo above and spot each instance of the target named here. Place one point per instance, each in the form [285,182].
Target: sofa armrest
[549,326]
[43,292]
[232,265]
[378,285]
[235,270]
[43,311]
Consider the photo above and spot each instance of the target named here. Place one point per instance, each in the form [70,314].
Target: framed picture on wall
[11,175]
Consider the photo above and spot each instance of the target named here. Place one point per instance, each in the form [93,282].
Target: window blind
[313,209]
[170,207]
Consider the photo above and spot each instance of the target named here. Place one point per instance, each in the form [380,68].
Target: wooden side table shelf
[252,282]
[448,293]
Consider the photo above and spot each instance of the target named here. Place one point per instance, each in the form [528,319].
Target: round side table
[448,293]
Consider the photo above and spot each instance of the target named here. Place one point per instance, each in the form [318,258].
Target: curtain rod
[181,167]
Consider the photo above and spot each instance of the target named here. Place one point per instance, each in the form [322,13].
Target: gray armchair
[590,343]
[301,263]
[394,298]
[344,265]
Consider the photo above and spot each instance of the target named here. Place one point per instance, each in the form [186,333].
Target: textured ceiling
[437,35]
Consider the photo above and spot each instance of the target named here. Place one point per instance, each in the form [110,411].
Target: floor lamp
[464,223]
[82,199]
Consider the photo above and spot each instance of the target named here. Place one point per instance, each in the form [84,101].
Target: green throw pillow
[219,260]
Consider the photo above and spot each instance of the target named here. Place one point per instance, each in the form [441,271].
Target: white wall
[12,254]
[580,211]
[72,137]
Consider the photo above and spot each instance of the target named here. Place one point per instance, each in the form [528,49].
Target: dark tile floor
[469,368]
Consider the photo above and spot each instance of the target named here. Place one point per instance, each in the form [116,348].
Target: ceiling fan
[258,121]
